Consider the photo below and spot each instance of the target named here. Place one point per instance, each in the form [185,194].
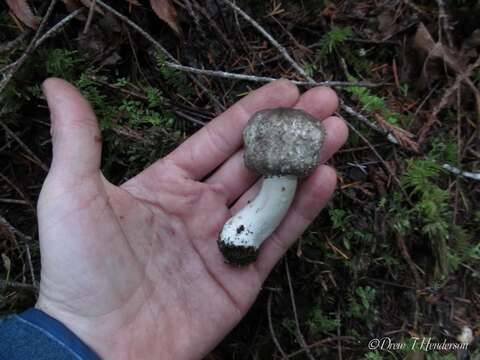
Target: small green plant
[350,232]
[333,39]
[371,102]
[322,323]
[361,305]
[174,78]
[105,112]
[155,97]
[373,355]
[337,216]
[61,62]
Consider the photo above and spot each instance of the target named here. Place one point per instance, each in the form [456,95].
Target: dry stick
[255,78]
[4,222]
[300,337]
[319,343]
[408,259]
[157,45]
[345,107]
[91,11]
[196,19]
[444,24]
[270,325]
[384,163]
[443,102]
[300,70]
[4,82]
[24,147]
[269,37]
[213,24]
[13,201]
[144,98]
[297,67]
[8,46]
[13,67]
[415,7]
[17,189]
[30,264]
[17,286]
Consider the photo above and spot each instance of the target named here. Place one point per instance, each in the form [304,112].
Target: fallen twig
[270,38]
[159,47]
[91,11]
[17,286]
[343,106]
[457,171]
[24,147]
[10,45]
[4,222]
[4,82]
[300,338]
[445,97]
[270,325]
[255,78]
[444,24]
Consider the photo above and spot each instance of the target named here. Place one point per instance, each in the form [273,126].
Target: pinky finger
[311,198]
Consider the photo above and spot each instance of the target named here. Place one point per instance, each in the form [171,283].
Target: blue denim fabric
[34,335]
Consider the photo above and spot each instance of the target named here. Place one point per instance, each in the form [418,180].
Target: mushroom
[283,145]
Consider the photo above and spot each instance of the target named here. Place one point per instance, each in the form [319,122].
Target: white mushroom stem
[259,219]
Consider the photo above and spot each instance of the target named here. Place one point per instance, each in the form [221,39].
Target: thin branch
[300,337]
[4,222]
[17,286]
[4,82]
[10,45]
[457,171]
[444,23]
[255,78]
[343,106]
[54,29]
[270,38]
[384,163]
[24,147]
[320,343]
[91,11]
[270,325]
[159,47]
[349,110]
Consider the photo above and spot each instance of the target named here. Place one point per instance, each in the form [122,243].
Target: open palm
[134,270]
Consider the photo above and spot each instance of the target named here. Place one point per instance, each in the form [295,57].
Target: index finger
[222,137]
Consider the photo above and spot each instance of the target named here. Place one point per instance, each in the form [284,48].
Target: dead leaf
[424,42]
[23,12]
[165,11]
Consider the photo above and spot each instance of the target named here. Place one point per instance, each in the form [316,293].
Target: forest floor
[396,251]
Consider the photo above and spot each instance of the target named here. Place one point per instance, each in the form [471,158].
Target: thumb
[76,138]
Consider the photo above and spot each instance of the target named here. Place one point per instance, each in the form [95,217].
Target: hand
[134,270]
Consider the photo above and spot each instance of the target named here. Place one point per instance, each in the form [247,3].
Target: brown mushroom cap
[283,141]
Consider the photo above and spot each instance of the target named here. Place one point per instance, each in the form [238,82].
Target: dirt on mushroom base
[237,255]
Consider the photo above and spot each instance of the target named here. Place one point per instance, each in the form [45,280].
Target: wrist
[110,336]
[56,334]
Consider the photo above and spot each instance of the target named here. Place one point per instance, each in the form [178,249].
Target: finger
[219,139]
[311,198]
[320,102]
[233,177]
[76,138]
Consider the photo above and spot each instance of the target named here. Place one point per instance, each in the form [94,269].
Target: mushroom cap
[283,141]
